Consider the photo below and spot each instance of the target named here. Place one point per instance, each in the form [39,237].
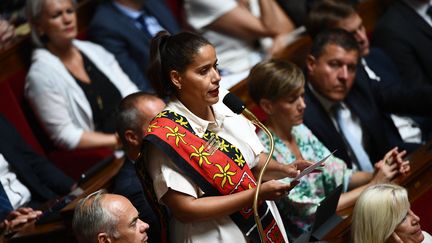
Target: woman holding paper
[201,156]
[281,98]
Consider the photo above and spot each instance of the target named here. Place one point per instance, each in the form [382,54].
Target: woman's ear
[176,79]
[267,106]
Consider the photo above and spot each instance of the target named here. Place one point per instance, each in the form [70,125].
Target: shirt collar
[132,13]
[420,8]
[198,124]
[326,103]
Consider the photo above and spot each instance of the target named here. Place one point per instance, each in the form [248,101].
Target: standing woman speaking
[202,157]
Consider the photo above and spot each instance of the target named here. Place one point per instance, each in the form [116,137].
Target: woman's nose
[216,75]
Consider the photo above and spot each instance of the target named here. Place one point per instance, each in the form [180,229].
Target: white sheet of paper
[312,167]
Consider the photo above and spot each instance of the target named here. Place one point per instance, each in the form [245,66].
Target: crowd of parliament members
[152,86]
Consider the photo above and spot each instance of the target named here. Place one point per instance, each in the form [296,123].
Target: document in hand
[313,167]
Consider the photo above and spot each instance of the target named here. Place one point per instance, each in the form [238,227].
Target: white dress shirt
[17,193]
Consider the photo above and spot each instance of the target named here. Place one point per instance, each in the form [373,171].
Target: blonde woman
[382,214]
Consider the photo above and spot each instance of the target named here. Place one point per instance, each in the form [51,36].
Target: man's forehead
[335,51]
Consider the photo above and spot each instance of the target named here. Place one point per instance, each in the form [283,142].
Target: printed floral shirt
[298,208]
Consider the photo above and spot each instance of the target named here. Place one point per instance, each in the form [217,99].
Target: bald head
[102,217]
[134,115]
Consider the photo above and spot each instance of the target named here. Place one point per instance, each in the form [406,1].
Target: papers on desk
[313,167]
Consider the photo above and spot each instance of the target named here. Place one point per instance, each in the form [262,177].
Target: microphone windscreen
[234,103]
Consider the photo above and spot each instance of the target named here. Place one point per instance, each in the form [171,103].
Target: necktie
[363,160]
[148,24]
[5,205]
[141,24]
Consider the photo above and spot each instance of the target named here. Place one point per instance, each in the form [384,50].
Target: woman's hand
[293,169]
[273,190]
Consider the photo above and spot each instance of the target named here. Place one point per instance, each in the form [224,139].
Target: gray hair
[34,10]
[90,218]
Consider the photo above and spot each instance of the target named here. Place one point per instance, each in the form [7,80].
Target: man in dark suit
[125,28]
[404,32]
[376,73]
[27,179]
[135,113]
[335,104]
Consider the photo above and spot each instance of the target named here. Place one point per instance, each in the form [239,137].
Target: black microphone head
[234,103]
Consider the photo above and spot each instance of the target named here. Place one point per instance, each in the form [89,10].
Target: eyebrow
[133,220]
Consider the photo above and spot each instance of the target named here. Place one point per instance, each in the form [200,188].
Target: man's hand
[19,218]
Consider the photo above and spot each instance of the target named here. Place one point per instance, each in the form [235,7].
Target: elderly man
[341,116]
[104,218]
[134,115]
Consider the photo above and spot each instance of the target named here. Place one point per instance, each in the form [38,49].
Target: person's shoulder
[104,10]
[89,47]
[427,237]
[86,44]
[104,15]
[393,14]
[375,54]
[43,62]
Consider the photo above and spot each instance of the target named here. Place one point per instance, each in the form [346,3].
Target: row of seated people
[384,206]
[73,86]
[99,101]
[194,217]
[69,136]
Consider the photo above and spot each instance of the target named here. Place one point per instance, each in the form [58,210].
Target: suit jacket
[391,94]
[130,45]
[127,183]
[407,39]
[39,175]
[379,133]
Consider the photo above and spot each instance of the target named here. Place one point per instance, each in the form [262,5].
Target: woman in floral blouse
[278,88]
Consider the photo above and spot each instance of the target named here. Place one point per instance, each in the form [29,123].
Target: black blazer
[380,134]
[391,94]
[130,45]
[407,39]
[40,176]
